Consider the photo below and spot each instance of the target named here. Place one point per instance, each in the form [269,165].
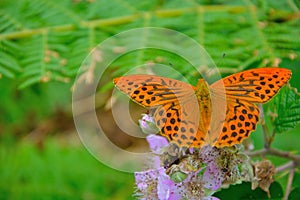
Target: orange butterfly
[191,116]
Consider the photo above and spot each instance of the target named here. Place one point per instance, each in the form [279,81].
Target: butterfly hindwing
[178,126]
[241,119]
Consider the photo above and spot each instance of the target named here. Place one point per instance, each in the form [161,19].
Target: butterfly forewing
[256,85]
[150,90]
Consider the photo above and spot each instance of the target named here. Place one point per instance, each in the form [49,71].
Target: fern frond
[43,41]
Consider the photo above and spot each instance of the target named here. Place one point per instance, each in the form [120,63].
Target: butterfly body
[204,102]
[221,114]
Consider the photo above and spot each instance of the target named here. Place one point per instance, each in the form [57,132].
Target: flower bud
[148,125]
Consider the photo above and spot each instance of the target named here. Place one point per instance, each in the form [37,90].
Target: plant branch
[116,20]
[267,150]
[276,152]
[286,166]
[67,27]
[289,184]
[264,128]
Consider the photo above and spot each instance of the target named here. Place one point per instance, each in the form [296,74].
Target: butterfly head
[202,90]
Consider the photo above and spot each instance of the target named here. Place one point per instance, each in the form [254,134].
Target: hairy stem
[266,134]
[289,184]
[268,150]
[276,152]
[287,166]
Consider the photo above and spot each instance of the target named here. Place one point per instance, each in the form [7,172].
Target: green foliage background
[42,45]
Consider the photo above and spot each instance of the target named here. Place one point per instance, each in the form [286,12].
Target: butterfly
[221,114]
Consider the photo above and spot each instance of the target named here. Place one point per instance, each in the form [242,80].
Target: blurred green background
[42,45]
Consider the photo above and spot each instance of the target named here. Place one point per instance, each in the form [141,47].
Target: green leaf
[30,81]
[57,35]
[295,194]
[286,105]
[244,191]
[6,72]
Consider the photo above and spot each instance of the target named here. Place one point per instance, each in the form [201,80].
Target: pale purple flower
[212,177]
[146,183]
[196,175]
[156,184]
[211,198]
[191,150]
[208,154]
[166,188]
[157,143]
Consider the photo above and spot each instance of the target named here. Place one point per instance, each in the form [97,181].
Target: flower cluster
[197,174]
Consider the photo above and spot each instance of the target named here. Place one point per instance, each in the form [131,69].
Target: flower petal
[212,177]
[166,188]
[157,143]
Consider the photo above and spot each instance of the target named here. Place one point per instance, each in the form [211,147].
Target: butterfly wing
[242,90]
[256,85]
[173,103]
[179,123]
[241,119]
[150,90]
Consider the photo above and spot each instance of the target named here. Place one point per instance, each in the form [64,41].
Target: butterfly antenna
[217,64]
[219,61]
[223,56]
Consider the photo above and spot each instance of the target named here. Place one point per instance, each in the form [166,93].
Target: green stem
[265,130]
[261,36]
[68,27]
[119,20]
